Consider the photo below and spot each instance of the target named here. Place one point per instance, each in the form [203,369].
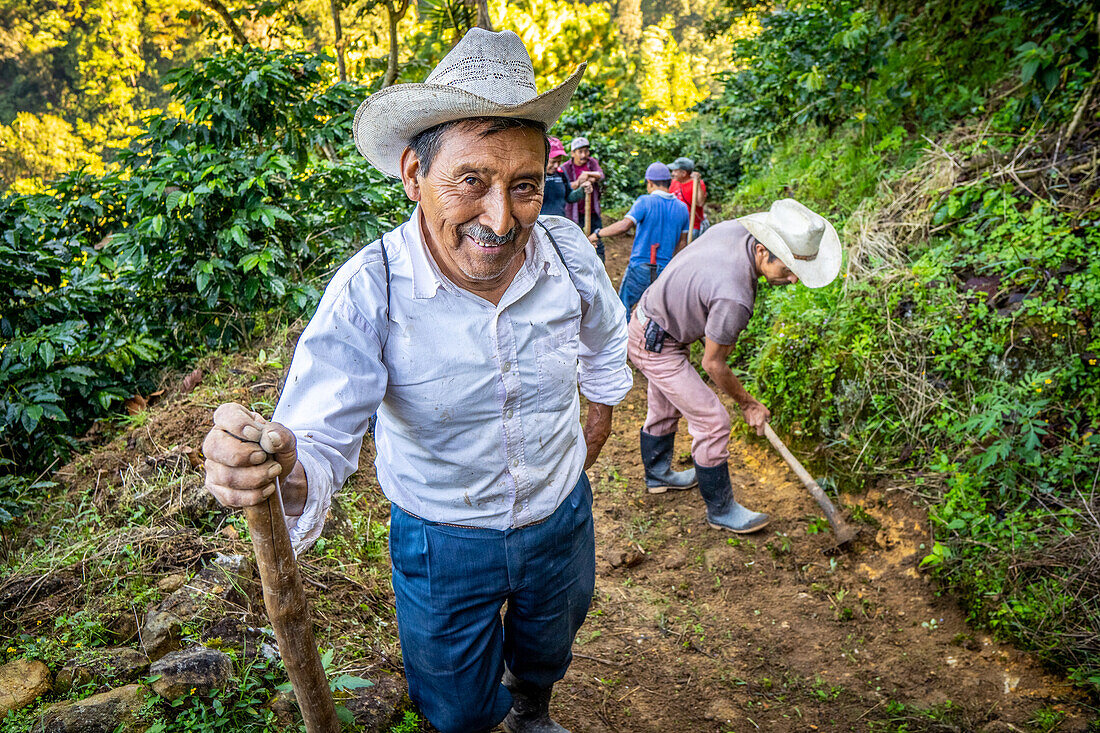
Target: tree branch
[227,18]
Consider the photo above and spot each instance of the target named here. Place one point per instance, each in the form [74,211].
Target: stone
[285,707]
[718,558]
[614,558]
[215,586]
[118,709]
[377,708]
[194,671]
[722,711]
[21,682]
[676,559]
[112,664]
[171,583]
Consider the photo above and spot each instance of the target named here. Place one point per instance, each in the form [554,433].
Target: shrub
[210,224]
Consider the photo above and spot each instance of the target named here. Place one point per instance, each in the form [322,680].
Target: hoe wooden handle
[843,531]
[587,213]
[285,599]
[691,214]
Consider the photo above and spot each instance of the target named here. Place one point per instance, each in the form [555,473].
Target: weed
[410,723]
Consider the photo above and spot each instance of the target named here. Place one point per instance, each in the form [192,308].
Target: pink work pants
[676,389]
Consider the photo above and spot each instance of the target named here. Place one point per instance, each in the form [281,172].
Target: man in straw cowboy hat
[466,329]
[707,293]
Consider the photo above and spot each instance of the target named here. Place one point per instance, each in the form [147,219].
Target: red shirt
[683,192]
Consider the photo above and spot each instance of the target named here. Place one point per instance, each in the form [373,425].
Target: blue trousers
[450,583]
[635,281]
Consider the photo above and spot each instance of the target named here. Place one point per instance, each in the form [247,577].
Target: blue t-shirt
[660,218]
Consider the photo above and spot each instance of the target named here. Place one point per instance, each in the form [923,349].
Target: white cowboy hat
[486,74]
[804,241]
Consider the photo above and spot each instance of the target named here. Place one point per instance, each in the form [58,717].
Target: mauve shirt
[572,172]
[708,289]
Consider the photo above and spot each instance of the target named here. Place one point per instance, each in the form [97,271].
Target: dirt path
[709,632]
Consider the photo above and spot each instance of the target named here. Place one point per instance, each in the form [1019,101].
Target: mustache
[487,235]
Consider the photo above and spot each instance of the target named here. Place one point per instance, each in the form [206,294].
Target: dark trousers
[450,583]
[635,281]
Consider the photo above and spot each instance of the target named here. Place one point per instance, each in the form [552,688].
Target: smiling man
[467,330]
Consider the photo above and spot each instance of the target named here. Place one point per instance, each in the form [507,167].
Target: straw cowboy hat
[486,74]
[804,241]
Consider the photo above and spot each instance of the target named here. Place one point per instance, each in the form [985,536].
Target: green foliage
[980,360]
[210,223]
[812,63]
[410,723]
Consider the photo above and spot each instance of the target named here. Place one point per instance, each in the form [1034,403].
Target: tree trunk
[223,13]
[394,14]
[483,19]
[338,32]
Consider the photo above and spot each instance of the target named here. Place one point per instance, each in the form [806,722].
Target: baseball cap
[658,171]
[682,164]
[578,142]
[557,150]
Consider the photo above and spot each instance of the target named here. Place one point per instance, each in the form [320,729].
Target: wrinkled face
[775,272]
[554,164]
[580,156]
[479,200]
[680,175]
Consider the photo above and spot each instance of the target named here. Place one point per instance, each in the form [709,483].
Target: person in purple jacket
[583,167]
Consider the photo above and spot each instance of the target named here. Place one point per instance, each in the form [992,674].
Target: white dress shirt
[478,411]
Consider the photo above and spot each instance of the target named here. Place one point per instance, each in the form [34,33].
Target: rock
[118,709]
[285,707]
[614,558]
[676,559]
[21,682]
[113,664]
[198,669]
[718,558]
[171,583]
[377,708]
[122,625]
[634,557]
[721,711]
[214,586]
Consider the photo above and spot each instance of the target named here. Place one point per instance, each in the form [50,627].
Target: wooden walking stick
[691,216]
[587,213]
[285,599]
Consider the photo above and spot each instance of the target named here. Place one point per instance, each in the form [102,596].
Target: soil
[691,629]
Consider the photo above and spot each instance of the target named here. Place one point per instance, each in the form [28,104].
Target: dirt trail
[709,632]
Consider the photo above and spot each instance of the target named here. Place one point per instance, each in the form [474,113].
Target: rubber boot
[723,511]
[530,711]
[657,459]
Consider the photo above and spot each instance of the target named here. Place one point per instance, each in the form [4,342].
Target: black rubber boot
[723,511]
[657,459]
[530,711]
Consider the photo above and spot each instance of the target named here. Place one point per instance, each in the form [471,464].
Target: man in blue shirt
[662,221]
